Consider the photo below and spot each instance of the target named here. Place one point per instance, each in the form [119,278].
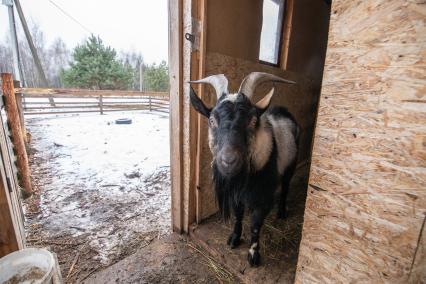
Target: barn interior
[288,39]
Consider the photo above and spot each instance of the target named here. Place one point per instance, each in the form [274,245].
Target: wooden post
[18,98]
[17,137]
[101,104]
[150,103]
[9,240]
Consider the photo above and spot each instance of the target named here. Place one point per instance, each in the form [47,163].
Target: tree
[53,58]
[134,59]
[59,58]
[96,66]
[156,78]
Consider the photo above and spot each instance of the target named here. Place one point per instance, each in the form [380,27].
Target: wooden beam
[58,92]
[12,235]
[201,131]
[18,98]
[8,237]
[176,111]
[16,131]
[286,33]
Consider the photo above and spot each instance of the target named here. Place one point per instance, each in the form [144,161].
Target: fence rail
[65,101]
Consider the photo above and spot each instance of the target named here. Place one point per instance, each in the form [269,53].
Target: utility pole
[17,70]
[34,53]
[31,44]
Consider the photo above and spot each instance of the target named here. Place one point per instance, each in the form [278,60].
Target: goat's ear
[264,103]
[198,104]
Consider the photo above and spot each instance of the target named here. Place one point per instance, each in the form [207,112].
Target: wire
[71,17]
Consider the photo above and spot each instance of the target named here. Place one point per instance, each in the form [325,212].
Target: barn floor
[174,259]
[279,240]
[205,258]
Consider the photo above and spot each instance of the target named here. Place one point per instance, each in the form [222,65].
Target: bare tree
[54,58]
[134,60]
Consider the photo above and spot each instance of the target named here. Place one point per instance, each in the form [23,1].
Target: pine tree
[156,78]
[96,66]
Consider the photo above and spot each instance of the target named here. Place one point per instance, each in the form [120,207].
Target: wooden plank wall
[300,99]
[367,197]
[12,235]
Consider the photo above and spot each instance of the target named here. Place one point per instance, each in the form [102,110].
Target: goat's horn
[219,83]
[254,79]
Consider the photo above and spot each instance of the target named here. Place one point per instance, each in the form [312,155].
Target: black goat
[254,150]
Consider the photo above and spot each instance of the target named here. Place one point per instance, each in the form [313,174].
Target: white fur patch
[261,145]
[230,97]
[252,248]
[285,140]
[210,138]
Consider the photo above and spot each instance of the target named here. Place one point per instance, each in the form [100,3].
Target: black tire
[123,121]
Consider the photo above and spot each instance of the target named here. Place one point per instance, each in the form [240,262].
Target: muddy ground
[99,196]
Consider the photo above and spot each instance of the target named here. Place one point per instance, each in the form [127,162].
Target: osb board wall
[367,198]
[300,99]
[233,27]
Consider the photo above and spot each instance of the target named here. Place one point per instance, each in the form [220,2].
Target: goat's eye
[252,123]
[212,121]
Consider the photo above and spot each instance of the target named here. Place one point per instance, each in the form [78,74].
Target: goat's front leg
[234,239]
[257,218]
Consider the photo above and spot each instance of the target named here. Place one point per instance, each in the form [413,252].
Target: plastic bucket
[31,265]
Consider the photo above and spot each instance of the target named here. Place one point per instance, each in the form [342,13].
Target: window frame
[280,44]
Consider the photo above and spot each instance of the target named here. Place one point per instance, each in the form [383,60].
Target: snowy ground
[99,181]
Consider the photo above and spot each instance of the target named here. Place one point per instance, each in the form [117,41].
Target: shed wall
[367,197]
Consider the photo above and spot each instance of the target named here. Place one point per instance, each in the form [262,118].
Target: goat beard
[229,191]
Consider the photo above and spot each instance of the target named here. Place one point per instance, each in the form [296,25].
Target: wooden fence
[65,101]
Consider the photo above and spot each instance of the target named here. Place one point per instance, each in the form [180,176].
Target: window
[270,37]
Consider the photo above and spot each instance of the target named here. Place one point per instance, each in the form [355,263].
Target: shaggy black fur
[246,187]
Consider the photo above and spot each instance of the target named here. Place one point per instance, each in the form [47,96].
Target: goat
[254,149]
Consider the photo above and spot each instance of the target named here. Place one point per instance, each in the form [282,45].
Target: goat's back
[286,134]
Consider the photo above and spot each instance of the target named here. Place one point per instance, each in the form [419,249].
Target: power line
[71,17]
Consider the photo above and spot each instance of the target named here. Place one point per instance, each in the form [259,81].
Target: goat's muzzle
[229,161]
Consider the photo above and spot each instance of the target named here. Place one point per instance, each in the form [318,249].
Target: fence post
[16,133]
[101,104]
[18,98]
[149,103]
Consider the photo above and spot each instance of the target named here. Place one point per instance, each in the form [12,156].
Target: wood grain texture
[69,93]
[367,198]
[300,99]
[176,98]
[13,120]
[12,235]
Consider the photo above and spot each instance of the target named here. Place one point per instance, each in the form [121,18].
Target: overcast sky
[139,25]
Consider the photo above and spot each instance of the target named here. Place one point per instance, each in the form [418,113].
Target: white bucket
[31,265]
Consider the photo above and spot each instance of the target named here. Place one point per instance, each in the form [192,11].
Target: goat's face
[233,120]
[232,123]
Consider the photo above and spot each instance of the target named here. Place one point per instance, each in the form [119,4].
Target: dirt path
[101,191]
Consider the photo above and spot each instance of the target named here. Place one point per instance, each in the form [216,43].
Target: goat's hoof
[253,258]
[282,214]
[234,241]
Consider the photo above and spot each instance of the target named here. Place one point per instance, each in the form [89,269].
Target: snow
[107,180]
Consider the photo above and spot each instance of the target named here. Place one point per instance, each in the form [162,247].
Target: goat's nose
[229,157]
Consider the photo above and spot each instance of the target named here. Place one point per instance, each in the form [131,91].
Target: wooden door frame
[186,62]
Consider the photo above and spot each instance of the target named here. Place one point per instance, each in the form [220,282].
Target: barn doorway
[95,123]
[285,38]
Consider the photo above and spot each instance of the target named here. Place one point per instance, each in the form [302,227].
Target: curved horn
[218,82]
[254,79]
